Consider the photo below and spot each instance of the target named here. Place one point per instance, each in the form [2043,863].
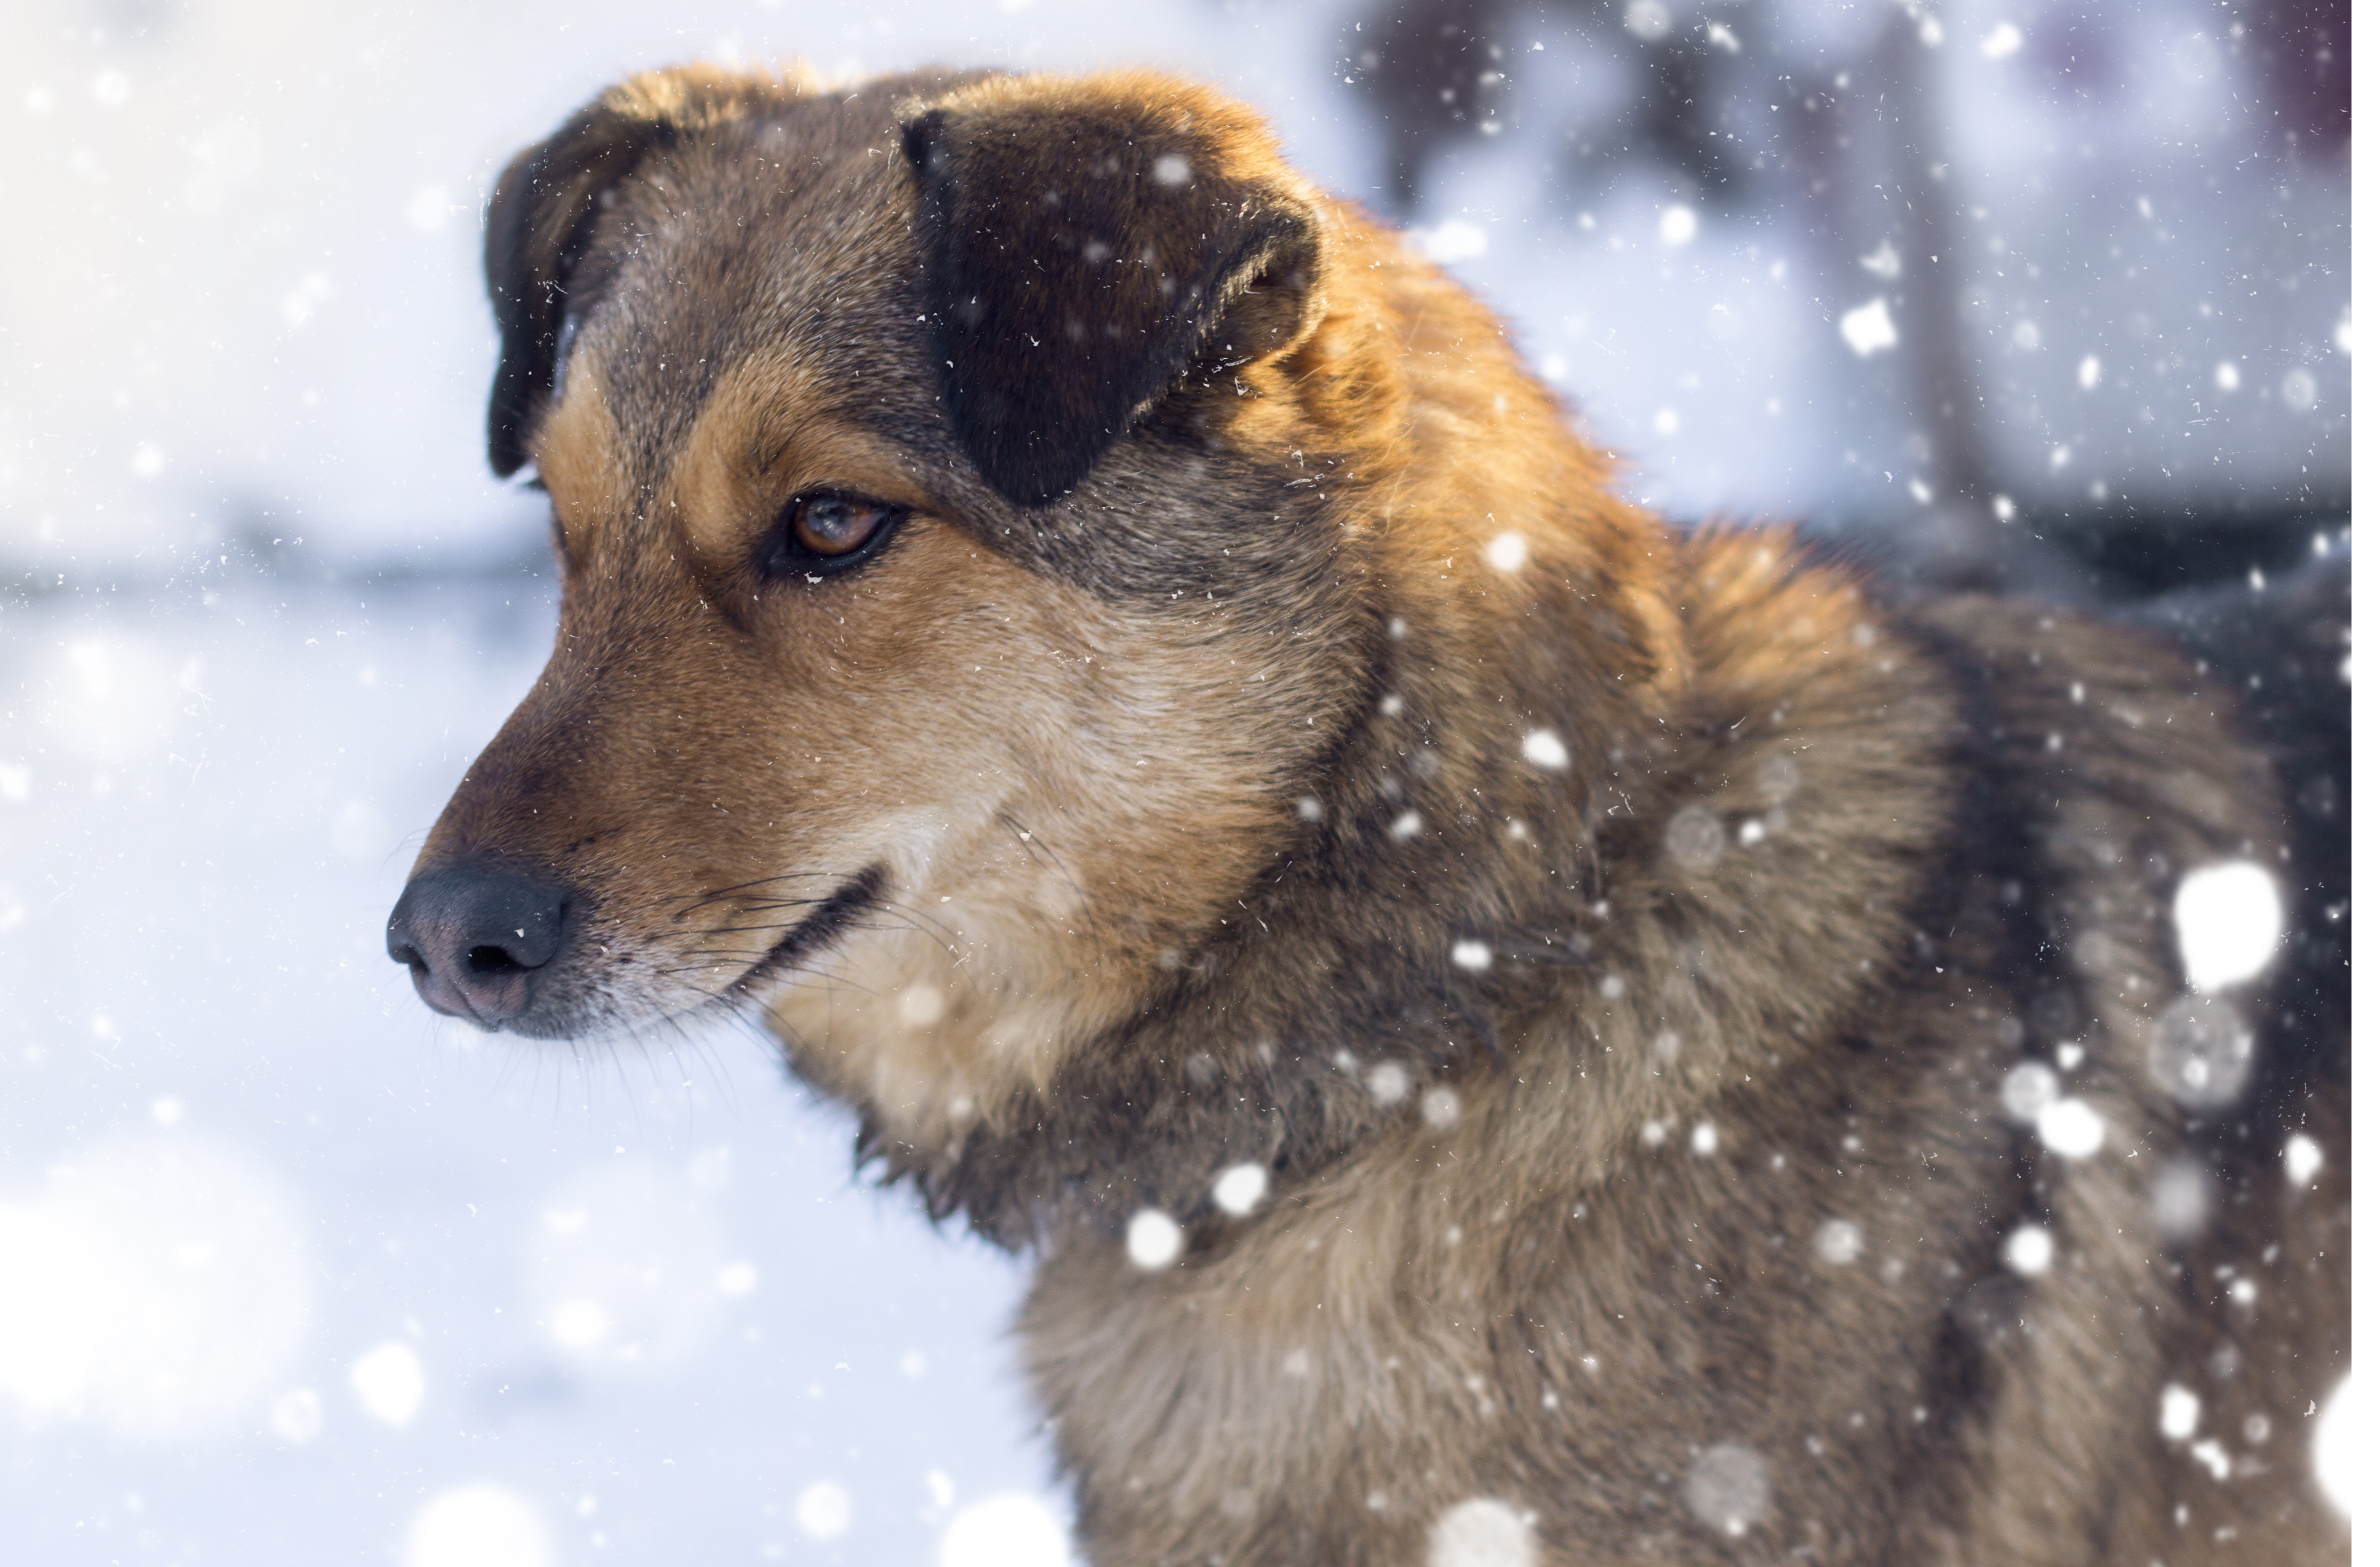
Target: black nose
[475,938]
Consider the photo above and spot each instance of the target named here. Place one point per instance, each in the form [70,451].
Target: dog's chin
[575,1005]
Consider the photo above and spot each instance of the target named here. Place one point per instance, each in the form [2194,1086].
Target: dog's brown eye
[835,525]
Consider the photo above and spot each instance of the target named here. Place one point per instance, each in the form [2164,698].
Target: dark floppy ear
[1087,246]
[544,210]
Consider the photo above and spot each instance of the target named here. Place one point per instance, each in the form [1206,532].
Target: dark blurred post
[1433,67]
[2301,48]
[1957,531]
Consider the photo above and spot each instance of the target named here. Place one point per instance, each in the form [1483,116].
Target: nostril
[494,960]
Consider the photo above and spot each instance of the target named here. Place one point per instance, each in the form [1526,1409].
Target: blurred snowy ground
[288,1274]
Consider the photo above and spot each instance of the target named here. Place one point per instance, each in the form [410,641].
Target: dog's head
[916,454]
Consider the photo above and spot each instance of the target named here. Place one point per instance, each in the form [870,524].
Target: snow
[1727,1488]
[1695,837]
[1483,1532]
[2183,1197]
[1508,552]
[1868,329]
[389,1382]
[2029,1250]
[1441,1108]
[1004,1531]
[156,1285]
[2342,1448]
[2177,1413]
[2301,1158]
[1240,1188]
[2030,1087]
[2199,1052]
[1387,1082]
[1472,955]
[920,1005]
[1543,747]
[478,1526]
[1648,20]
[823,1509]
[1451,241]
[1840,1242]
[296,1417]
[2072,1130]
[1153,1240]
[626,1271]
[2228,919]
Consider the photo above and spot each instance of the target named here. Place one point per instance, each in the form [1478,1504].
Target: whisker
[718,894]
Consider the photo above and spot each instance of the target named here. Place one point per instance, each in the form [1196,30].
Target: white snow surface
[293,1272]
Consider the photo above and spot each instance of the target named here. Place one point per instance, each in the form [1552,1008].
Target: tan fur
[1169,877]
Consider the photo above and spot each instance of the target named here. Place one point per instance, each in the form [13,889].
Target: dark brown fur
[1135,814]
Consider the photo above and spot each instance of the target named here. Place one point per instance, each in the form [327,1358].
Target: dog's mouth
[817,931]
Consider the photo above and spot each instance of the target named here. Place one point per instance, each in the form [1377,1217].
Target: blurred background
[2045,294]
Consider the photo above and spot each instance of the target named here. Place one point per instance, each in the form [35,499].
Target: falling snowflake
[1869,330]
[1695,838]
[1240,1188]
[2199,1052]
[2228,919]
[1483,1532]
[1153,1240]
[1727,1488]
[2029,1251]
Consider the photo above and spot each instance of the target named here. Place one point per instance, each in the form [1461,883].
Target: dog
[1513,1035]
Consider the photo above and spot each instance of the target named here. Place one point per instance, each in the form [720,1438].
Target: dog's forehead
[785,238]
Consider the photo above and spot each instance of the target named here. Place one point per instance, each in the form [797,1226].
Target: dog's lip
[822,924]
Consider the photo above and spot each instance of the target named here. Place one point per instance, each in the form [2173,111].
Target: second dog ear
[1084,247]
